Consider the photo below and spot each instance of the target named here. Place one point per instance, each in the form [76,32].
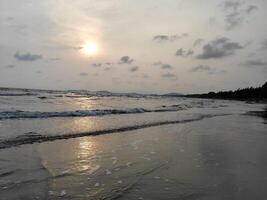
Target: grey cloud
[126,60]
[161,37]
[233,5]
[189,52]
[236,12]
[171,38]
[166,66]
[180,52]
[27,56]
[219,48]
[163,65]
[255,63]
[83,74]
[134,69]
[96,64]
[10,18]
[233,19]
[251,8]
[168,75]
[11,66]
[206,68]
[232,14]
[184,53]
[200,68]
[101,64]
[198,42]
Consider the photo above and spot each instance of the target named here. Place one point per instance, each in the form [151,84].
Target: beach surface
[94,147]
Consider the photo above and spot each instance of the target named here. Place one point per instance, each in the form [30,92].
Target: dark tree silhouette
[258,93]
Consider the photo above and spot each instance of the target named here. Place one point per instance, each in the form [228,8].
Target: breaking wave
[82,113]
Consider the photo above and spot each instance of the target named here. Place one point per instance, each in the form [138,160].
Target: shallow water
[210,151]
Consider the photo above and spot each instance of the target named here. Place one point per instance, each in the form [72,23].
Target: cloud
[219,48]
[27,56]
[103,64]
[180,52]
[236,12]
[198,42]
[234,5]
[200,68]
[189,52]
[96,64]
[161,37]
[232,14]
[168,75]
[162,65]
[184,53]
[10,66]
[170,38]
[166,66]
[255,63]
[10,18]
[134,69]
[251,8]
[232,20]
[83,74]
[206,68]
[126,60]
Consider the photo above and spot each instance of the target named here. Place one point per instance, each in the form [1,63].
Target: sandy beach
[222,157]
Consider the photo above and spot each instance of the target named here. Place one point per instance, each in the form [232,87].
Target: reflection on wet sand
[70,165]
[101,166]
[198,160]
[191,161]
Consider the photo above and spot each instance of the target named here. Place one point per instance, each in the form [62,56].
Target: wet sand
[222,157]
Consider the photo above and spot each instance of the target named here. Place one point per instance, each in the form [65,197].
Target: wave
[8,173]
[30,138]
[81,113]
[18,94]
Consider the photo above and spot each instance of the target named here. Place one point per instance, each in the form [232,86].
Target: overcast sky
[143,45]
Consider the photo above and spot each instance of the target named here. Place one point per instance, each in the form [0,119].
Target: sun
[90,48]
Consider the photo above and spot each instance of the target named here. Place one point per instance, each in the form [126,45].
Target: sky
[145,46]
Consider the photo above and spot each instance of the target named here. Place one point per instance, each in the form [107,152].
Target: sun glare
[90,48]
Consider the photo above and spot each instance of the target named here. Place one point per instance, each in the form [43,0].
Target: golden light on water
[90,48]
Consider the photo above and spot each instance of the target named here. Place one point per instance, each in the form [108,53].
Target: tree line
[251,93]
